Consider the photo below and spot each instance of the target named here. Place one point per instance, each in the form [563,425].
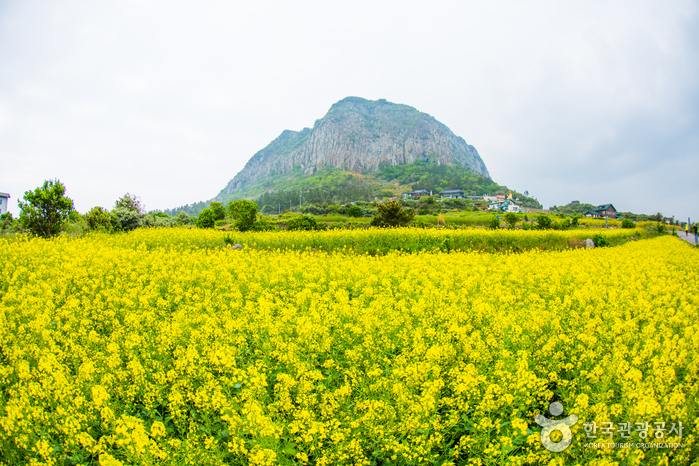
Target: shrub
[601,241]
[263,224]
[162,222]
[303,222]
[660,228]
[421,223]
[392,214]
[575,220]
[511,219]
[183,219]
[6,221]
[98,218]
[544,221]
[130,202]
[45,210]
[494,223]
[244,212]
[218,210]
[628,223]
[206,219]
[354,211]
[124,219]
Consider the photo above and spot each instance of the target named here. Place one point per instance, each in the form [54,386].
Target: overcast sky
[589,101]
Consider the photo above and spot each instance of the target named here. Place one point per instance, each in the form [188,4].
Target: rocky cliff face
[361,136]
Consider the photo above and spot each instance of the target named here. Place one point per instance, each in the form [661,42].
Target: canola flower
[374,240]
[140,349]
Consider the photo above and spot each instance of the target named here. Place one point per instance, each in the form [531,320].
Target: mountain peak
[360,136]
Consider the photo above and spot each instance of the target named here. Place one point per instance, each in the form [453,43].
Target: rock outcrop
[361,136]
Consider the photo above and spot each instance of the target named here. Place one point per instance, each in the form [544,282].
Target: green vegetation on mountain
[361,149]
[333,186]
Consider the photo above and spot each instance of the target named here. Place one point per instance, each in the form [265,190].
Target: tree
[206,219]
[130,202]
[354,211]
[303,222]
[183,219]
[218,210]
[45,210]
[6,221]
[244,212]
[511,219]
[544,221]
[124,219]
[98,219]
[392,214]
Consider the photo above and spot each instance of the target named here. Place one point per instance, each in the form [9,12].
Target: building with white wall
[3,202]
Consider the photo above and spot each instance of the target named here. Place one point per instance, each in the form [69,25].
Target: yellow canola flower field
[139,349]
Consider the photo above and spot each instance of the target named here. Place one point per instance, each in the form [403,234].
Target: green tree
[130,202]
[303,222]
[628,223]
[6,221]
[124,219]
[544,221]
[511,219]
[183,219]
[45,210]
[354,211]
[244,212]
[206,219]
[98,219]
[218,210]
[392,214]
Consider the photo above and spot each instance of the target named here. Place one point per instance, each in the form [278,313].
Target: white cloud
[168,100]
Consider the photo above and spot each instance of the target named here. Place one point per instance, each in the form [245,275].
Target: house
[452,194]
[602,211]
[506,205]
[417,194]
[606,210]
[3,202]
[474,198]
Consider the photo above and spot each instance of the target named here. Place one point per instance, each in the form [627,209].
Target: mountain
[359,150]
[359,136]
